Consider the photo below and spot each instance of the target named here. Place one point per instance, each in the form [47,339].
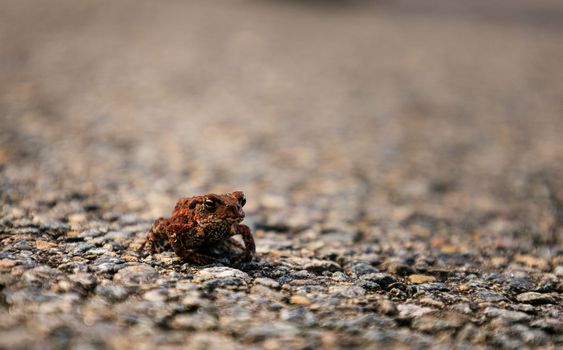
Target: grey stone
[487,295]
[348,291]
[509,316]
[221,272]
[268,282]
[382,279]
[136,276]
[535,298]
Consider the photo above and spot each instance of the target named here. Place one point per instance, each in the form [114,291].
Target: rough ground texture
[402,160]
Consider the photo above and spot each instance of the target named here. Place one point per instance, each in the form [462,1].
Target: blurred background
[402,161]
[328,114]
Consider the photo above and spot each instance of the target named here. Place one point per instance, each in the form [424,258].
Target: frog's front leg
[156,240]
[180,243]
[249,245]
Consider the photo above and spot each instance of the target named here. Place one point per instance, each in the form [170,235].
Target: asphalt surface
[402,162]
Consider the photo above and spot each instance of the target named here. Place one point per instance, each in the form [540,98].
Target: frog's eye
[242,201]
[209,204]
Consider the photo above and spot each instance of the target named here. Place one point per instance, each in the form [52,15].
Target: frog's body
[200,222]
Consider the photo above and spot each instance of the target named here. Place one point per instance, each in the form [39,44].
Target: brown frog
[202,222]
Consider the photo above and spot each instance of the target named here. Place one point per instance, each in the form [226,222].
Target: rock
[551,325]
[399,269]
[41,275]
[520,284]
[111,292]
[299,315]
[44,245]
[490,296]
[84,281]
[362,269]
[534,337]
[158,295]
[317,266]
[225,282]
[387,307]
[347,291]
[91,233]
[272,329]
[220,273]
[440,321]
[22,245]
[506,315]
[300,300]
[268,282]
[421,278]
[463,308]
[368,285]
[533,262]
[429,287]
[382,279]
[411,310]
[7,263]
[301,275]
[136,276]
[194,322]
[535,298]
[360,322]
[432,302]
[339,276]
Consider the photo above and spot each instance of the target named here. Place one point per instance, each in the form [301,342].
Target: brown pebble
[7,263]
[42,245]
[422,278]
[299,300]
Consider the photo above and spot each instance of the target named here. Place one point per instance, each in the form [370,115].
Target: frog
[198,224]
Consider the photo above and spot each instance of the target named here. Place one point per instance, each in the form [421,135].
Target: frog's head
[214,209]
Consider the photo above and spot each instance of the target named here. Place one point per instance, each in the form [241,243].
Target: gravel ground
[402,161]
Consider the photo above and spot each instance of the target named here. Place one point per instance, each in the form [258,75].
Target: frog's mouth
[224,221]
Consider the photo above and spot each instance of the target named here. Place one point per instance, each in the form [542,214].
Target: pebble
[112,292]
[268,282]
[533,262]
[362,269]
[271,329]
[42,275]
[399,269]
[535,298]
[339,276]
[490,296]
[520,284]
[432,302]
[506,315]
[299,315]
[194,322]
[84,281]
[436,322]
[7,263]
[382,279]
[316,265]
[429,287]
[225,282]
[136,276]
[347,291]
[421,278]
[44,245]
[220,273]
[411,310]
[158,295]
[368,285]
[387,307]
[300,300]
